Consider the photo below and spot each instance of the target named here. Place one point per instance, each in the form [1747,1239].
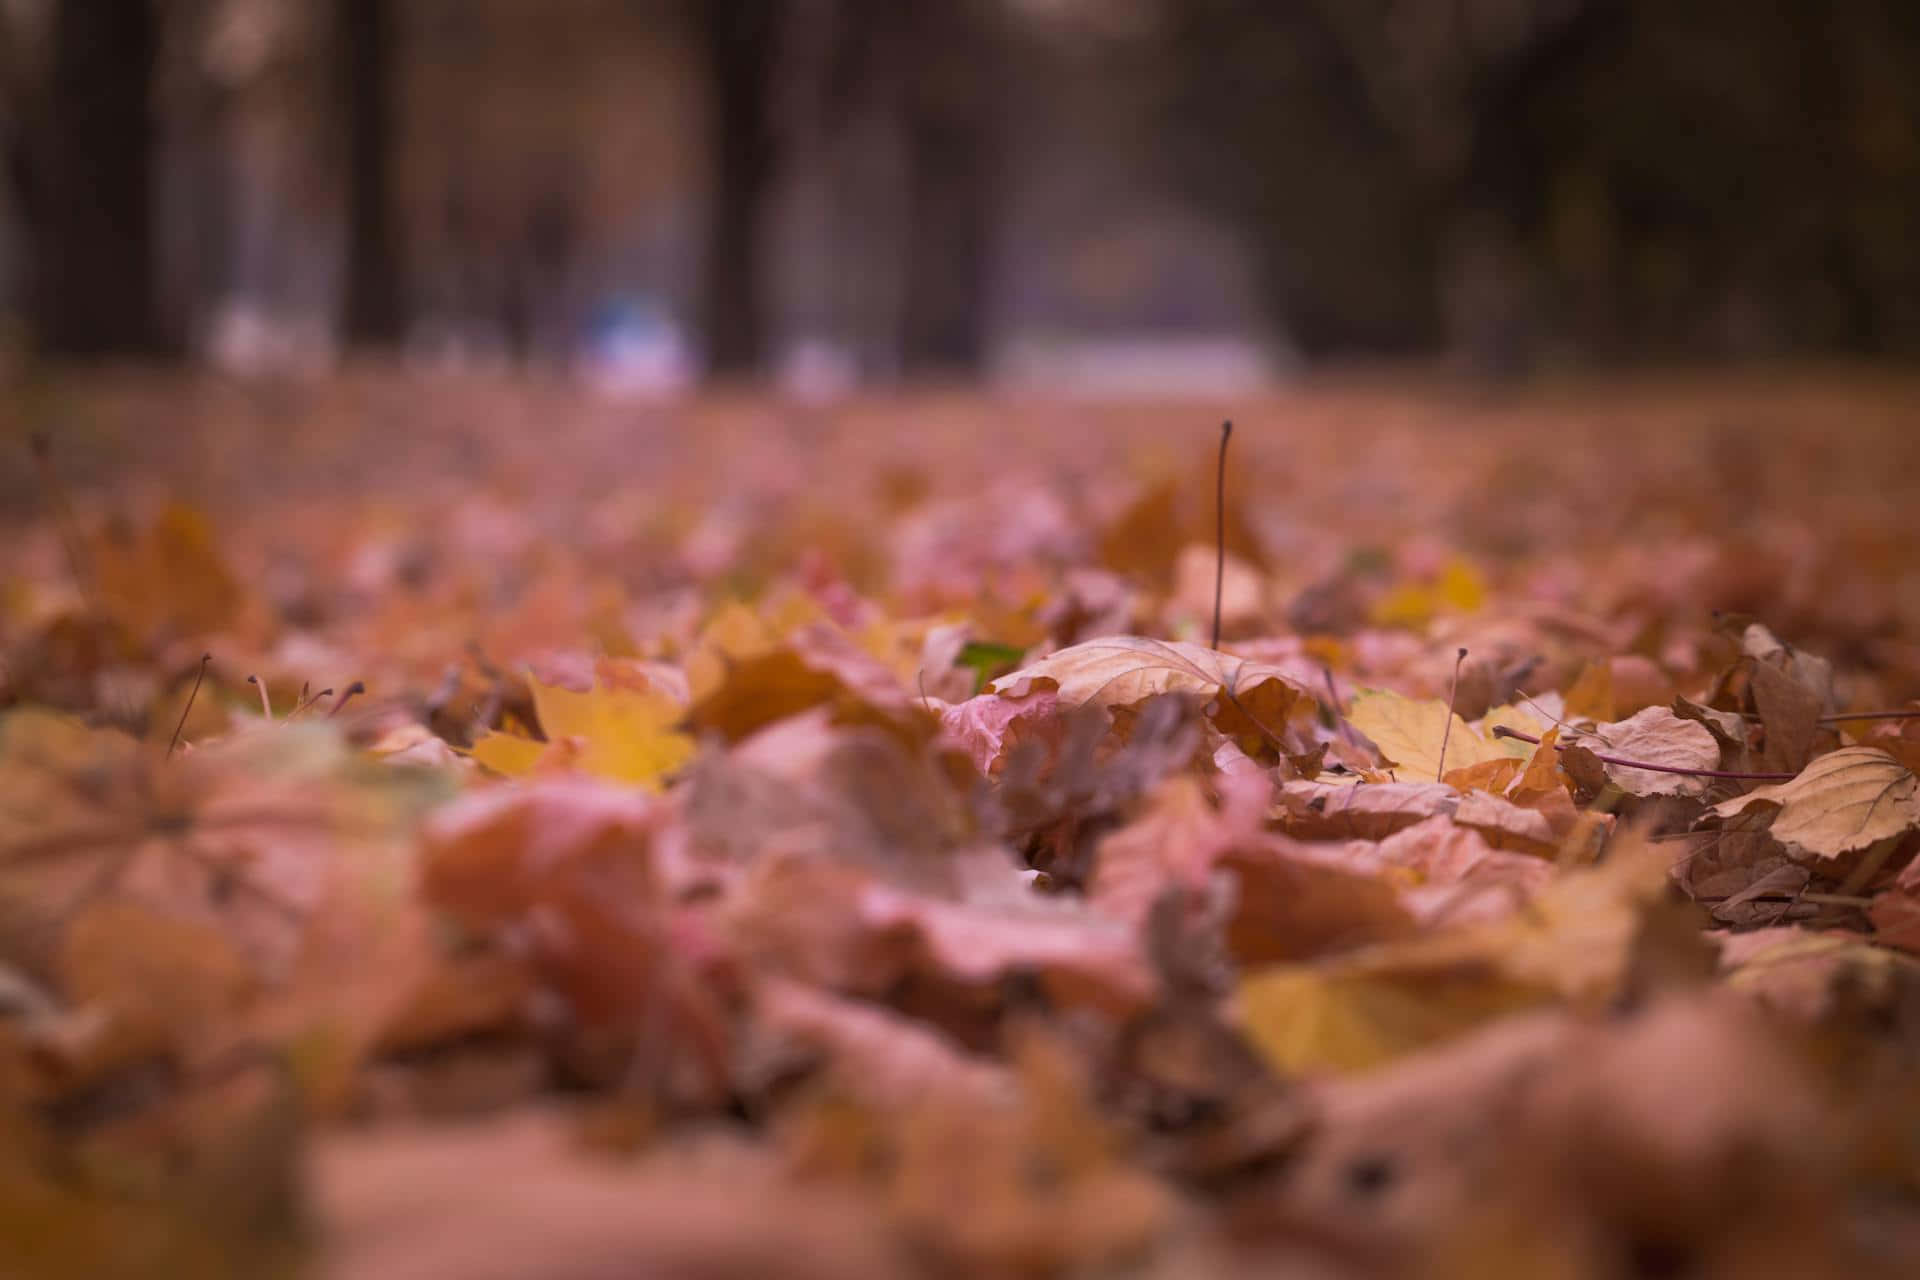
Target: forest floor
[828,840]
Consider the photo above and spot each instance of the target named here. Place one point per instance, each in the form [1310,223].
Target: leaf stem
[1453,694]
[1502,731]
[198,676]
[1907,714]
[1220,527]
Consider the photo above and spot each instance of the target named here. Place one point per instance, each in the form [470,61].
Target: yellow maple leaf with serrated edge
[622,734]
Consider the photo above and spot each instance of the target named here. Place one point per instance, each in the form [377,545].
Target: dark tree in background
[372,311]
[739,45]
[84,168]
[1516,180]
[936,74]
[948,115]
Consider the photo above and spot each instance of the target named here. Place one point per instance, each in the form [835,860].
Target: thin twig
[266,708]
[1907,714]
[1440,765]
[1840,717]
[358,686]
[306,704]
[198,676]
[1502,731]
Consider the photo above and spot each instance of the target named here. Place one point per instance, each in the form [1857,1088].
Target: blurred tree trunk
[953,58]
[373,314]
[89,184]
[738,46]
[951,199]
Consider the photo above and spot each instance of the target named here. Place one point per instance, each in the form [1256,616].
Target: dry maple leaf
[619,733]
[1577,942]
[817,665]
[1254,699]
[1310,1019]
[168,580]
[1288,903]
[1845,800]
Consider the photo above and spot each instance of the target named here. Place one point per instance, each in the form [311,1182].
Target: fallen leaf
[1368,810]
[1591,695]
[1309,1020]
[617,732]
[1655,735]
[1409,731]
[1845,800]
[1252,699]
[816,665]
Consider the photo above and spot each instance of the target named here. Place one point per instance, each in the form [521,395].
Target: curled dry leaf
[1507,825]
[1253,699]
[1657,736]
[817,665]
[1577,943]
[1290,900]
[1845,800]
[1463,877]
[837,926]
[1363,810]
[986,728]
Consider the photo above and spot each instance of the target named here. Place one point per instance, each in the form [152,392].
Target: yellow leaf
[737,633]
[1408,732]
[622,734]
[1411,604]
[1488,775]
[1458,589]
[1576,944]
[508,753]
[1306,1019]
[1461,588]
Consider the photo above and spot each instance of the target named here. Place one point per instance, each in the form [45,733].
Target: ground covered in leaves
[740,838]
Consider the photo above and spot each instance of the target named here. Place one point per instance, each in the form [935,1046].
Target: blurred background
[1136,194]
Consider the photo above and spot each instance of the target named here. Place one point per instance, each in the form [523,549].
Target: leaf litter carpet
[455,828]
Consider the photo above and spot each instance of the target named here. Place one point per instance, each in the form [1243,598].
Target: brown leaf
[1368,810]
[1656,735]
[1790,713]
[816,666]
[1845,800]
[1250,699]
[1506,825]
